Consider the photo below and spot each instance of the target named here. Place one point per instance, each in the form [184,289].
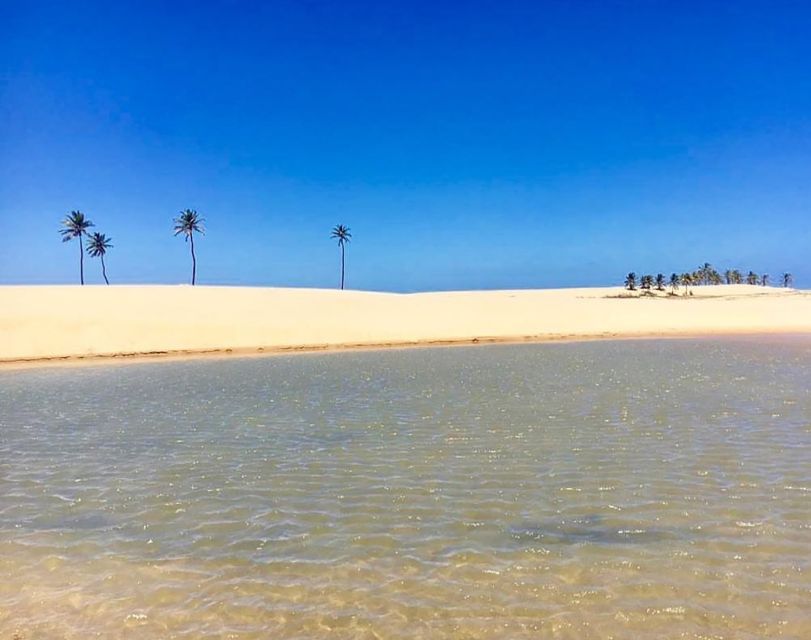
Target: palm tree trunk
[81,260]
[342,267]
[193,260]
[104,270]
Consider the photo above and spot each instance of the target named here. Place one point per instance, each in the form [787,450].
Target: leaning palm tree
[187,223]
[75,226]
[97,245]
[341,233]
[787,280]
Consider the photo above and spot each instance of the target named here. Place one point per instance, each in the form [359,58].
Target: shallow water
[638,489]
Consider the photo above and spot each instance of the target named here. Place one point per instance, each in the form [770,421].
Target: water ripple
[630,489]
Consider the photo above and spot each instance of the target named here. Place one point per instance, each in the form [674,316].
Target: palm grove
[706,274]
[77,226]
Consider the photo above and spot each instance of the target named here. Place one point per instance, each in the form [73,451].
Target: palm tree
[686,280]
[787,279]
[764,279]
[704,273]
[674,282]
[646,282]
[187,223]
[341,233]
[660,281]
[728,276]
[737,278]
[75,226]
[630,281]
[751,278]
[97,245]
[707,274]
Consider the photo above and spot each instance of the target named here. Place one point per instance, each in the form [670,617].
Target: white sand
[49,322]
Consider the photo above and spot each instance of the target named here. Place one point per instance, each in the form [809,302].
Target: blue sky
[467,145]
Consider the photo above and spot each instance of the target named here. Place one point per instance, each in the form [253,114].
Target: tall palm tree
[630,281]
[187,223]
[75,226]
[97,245]
[341,233]
[787,279]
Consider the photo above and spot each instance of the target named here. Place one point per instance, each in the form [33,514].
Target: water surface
[636,489]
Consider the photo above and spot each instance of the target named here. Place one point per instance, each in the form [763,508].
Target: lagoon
[626,489]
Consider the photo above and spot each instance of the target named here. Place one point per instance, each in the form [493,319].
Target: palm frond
[188,222]
[341,233]
[97,244]
[75,224]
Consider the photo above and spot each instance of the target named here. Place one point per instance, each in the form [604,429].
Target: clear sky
[466,144]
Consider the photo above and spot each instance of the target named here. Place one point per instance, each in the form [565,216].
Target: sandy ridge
[49,324]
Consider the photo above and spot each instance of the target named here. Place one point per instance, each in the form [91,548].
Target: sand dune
[52,322]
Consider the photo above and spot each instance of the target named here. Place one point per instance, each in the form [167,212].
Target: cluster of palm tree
[187,223]
[706,274]
[646,282]
[76,225]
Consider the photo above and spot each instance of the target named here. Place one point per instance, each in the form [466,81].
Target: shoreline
[315,349]
[69,325]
